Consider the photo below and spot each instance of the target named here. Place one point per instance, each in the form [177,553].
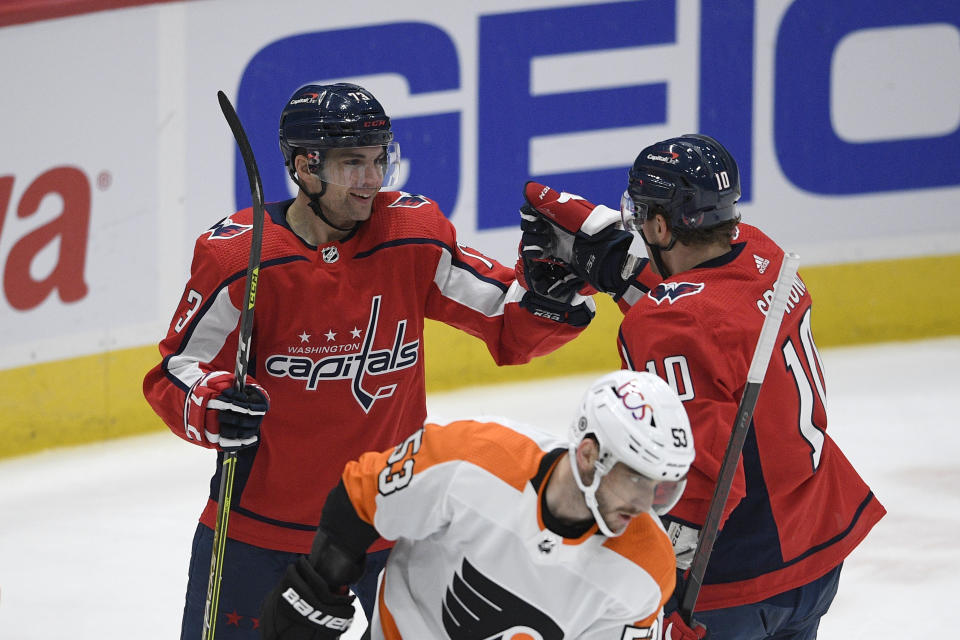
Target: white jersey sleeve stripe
[460,284]
[209,334]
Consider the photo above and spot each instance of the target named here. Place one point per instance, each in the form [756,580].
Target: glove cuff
[575,313]
[334,563]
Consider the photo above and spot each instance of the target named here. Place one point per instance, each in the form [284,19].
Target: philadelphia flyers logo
[477,608]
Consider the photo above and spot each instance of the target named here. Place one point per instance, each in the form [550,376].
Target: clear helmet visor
[357,167]
[650,494]
[632,213]
[666,494]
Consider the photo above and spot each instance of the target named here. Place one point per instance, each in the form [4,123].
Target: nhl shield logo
[330,254]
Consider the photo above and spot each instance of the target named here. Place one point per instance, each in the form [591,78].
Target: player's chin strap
[590,492]
[314,203]
[655,253]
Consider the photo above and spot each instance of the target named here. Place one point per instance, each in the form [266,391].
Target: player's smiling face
[353,176]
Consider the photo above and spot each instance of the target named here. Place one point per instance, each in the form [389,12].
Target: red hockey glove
[305,607]
[674,628]
[218,414]
[586,236]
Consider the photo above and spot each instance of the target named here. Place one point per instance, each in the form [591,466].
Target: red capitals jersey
[797,507]
[337,344]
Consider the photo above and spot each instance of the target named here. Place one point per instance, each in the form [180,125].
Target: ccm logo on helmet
[375,123]
[314,615]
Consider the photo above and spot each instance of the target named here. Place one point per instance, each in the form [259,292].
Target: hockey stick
[755,376]
[229,464]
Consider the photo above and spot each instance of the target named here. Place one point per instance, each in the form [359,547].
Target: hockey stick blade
[741,423]
[229,462]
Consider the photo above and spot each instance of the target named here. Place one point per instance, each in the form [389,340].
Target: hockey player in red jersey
[505,532]
[349,272]
[797,506]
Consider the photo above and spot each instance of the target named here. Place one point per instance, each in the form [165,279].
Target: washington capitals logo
[409,201]
[227,228]
[357,366]
[477,608]
[672,291]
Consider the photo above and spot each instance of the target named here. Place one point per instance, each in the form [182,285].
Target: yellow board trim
[94,398]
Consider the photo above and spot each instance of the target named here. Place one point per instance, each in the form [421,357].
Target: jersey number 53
[389,480]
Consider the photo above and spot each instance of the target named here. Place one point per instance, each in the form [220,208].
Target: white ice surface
[95,540]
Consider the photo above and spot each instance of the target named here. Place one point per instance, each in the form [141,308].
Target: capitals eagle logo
[672,291]
[227,228]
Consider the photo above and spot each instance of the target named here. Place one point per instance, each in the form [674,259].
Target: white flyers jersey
[477,556]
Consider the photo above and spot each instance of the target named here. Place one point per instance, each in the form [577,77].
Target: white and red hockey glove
[674,628]
[586,236]
[217,414]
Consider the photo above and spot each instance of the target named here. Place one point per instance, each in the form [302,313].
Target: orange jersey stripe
[507,454]
[647,545]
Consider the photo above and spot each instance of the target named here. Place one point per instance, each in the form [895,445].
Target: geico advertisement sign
[488,97]
[512,116]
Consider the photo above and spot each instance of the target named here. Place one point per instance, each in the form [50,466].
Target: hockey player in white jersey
[505,532]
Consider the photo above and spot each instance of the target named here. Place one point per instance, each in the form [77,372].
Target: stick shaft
[229,462]
[741,424]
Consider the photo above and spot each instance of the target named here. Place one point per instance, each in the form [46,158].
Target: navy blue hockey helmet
[320,117]
[693,178]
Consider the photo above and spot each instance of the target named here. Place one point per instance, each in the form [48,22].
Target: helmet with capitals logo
[637,419]
[319,117]
[692,180]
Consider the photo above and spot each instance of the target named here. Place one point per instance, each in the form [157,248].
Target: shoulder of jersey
[754,236]
[229,240]
[511,453]
[721,285]
[646,544]
[398,214]
[760,253]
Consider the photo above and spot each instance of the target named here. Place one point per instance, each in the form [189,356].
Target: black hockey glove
[577,315]
[554,291]
[588,237]
[537,271]
[304,607]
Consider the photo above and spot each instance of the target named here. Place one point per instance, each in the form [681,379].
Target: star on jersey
[355,332]
[304,337]
[353,362]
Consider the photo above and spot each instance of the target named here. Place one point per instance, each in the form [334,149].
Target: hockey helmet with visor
[636,419]
[692,180]
[344,133]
